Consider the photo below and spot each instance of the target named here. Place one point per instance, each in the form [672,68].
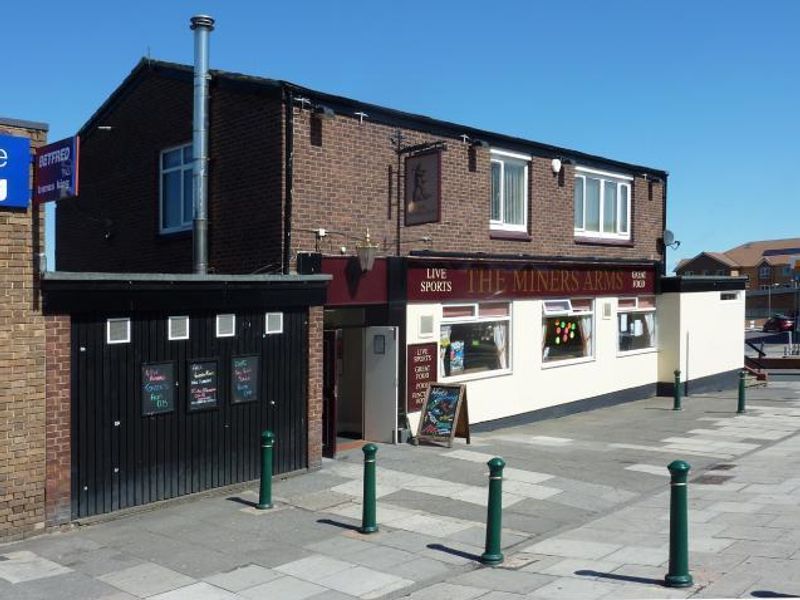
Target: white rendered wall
[530,385]
[706,336]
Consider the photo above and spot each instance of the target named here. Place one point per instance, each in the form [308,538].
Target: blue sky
[707,90]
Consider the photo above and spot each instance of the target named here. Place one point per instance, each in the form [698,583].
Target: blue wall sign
[56,170]
[15,165]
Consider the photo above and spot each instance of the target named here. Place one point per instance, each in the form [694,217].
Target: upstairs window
[509,200]
[764,272]
[176,204]
[602,203]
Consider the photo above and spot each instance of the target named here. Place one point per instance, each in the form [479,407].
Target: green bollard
[265,494]
[678,575]
[740,409]
[494,513]
[369,522]
[677,391]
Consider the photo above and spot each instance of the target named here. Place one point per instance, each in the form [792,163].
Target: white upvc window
[602,203]
[636,321]
[474,339]
[567,330]
[509,195]
[176,206]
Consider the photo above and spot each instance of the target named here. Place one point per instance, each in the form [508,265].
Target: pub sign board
[56,170]
[422,365]
[444,414]
[15,166]
[158,388]
[423,188]
[442,281]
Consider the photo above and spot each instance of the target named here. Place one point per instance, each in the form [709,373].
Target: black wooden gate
[123,457]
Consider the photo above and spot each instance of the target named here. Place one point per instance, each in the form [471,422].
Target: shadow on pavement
[616,577]
[338,524]
[768,594]
[454,552]
[240,500]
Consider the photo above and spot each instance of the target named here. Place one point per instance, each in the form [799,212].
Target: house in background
[764,263]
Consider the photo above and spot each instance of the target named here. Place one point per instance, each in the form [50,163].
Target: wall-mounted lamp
[323,112]
[366,251]
[555,164]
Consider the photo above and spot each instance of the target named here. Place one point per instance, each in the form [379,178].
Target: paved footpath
[586,504]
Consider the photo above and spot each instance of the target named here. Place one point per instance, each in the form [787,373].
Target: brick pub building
[530,273]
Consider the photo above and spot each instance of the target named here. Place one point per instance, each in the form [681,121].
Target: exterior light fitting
[366,251]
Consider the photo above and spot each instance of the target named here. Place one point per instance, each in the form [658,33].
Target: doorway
[359,387]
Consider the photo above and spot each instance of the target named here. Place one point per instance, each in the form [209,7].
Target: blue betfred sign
[56,170]
[15,164]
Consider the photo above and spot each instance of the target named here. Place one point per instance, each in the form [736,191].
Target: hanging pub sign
[450,280]
[15,164]
[422,371]
[423,188]
[56,170]
[444,414]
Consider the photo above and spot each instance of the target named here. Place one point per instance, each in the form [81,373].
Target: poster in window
[203,390]
[456,357]
[423,188]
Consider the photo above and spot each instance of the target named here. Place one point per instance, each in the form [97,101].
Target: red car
[779,323]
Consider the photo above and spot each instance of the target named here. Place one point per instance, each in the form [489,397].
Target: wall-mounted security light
[555,164]
[479,144]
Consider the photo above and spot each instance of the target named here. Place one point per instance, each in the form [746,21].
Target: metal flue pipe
[202,25]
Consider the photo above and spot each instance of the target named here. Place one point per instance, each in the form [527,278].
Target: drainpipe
[288,102]
[202,26]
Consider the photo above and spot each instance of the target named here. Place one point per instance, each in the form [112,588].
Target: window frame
[571,311]
[185,225]
[637,309]
[233,325]
[267,330]
[127,322]
[502,157]
[476,318]
[172,337]
[622,181]
[764,271]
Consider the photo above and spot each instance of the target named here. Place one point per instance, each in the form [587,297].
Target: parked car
[779,323]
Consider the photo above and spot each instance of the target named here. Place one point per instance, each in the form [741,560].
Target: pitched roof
[717,256]
[775,252]
[723,258]
[377,114]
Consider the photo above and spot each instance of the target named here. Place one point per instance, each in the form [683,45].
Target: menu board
[158,388]
[422,367]
[244,379]
[444,414]
[203,384]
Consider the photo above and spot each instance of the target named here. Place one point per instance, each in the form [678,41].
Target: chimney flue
[202,25]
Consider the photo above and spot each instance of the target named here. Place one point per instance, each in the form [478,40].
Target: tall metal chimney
[202,25]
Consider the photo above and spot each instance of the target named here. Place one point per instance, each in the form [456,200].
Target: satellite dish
[669,237]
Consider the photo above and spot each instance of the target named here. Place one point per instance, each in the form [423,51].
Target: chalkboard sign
[158,388]
[202,384]
[244,379]
[444,414]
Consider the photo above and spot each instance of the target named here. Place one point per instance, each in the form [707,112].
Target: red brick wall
[114,224]
[22,373]
[342,182]
[315,387]
[58,412]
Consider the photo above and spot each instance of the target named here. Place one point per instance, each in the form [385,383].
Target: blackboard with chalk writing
[203,384]
[244,379]
[158,388]
[444,414]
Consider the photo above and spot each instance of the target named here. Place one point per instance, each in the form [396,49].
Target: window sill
[653,350]
[567,362]
[502,234]
[601,241]
[475,376]
[174,234]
